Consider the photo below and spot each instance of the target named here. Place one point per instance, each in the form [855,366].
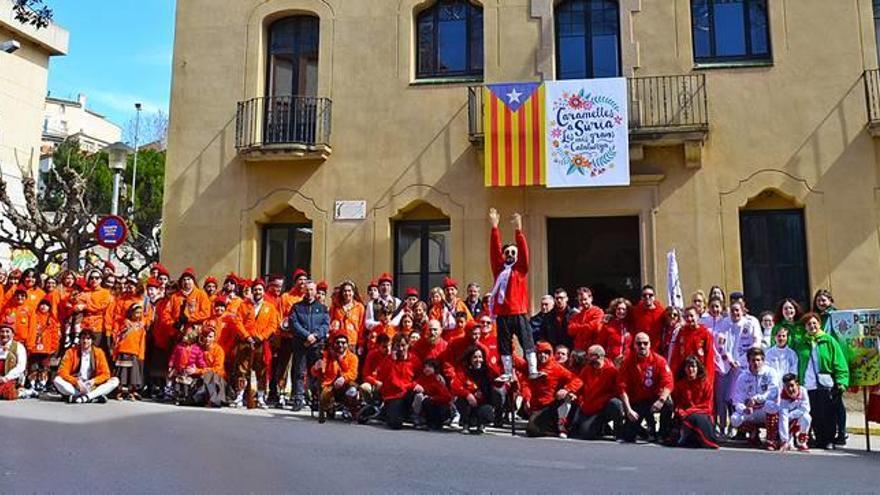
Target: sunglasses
[509,252]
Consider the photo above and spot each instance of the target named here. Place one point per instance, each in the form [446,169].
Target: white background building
[63,118]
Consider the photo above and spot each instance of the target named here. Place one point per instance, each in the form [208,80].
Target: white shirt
[84,365]
[21,360]
[394,320]
[748,334]
[783,359]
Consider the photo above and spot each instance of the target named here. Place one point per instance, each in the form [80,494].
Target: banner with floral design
[587,129]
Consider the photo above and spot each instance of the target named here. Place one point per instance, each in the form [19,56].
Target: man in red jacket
[585,325]
[599,397]
[431,345]
[551,395]
[509,303]
[647,316]
[646,385]
[395,379]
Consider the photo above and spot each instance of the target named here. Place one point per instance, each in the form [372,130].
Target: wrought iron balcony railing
[659,107]
[283,123]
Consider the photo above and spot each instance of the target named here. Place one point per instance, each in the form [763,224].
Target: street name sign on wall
[111,231]
[350,210]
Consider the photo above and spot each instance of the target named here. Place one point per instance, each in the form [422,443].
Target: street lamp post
[134,173]
[118,153]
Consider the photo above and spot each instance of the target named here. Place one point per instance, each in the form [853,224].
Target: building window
[587,39]
[291,106]
[774,257]
[421,254]
[730,30]
[449,39]
[286,247]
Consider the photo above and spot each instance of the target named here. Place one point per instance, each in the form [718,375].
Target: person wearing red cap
[20,312]
[646,386]
[337,372]
[61,295]
[190,305]
[348,313]
[410,299]
[321,294]
[42,344]
[13,360]
[310,323]
[210,286]
[453,303]
[372,291]
[599,397]
[109,268]
[162,274]
[266,324]
[551,395]
[584,326]
[647,316]
[510,297]
[162,338]
[384,300]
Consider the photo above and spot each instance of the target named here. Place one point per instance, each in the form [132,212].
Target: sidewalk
[855,426]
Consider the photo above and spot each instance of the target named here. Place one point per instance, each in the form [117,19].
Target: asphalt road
[50,447]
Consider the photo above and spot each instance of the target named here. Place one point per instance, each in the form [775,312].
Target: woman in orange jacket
[128,353]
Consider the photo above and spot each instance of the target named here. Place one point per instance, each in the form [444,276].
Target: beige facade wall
[797,127]
[23,80]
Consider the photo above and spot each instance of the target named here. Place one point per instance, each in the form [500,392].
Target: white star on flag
[513,96]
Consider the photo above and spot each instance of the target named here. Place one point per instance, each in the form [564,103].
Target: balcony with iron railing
[872,97]
[283,128]
[663,111]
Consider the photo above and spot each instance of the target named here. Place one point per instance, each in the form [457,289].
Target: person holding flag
[509,304]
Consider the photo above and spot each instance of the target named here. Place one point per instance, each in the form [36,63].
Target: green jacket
[831,358]
[799,342]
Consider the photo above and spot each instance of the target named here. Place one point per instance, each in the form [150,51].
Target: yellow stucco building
[345,136]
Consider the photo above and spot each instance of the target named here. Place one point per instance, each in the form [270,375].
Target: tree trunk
[73,253]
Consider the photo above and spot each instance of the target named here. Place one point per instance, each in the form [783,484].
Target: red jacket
[598,386]
[584,327]
[454,353]
[436,390]
[649,321]
[371,364]
[616,338]
[397,377]
[424,349]
[543,390]
[693,341]
[692,397]
[516,298]
[642,378]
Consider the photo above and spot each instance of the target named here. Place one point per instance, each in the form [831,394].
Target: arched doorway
[422,236]
[286,244]
[773,246]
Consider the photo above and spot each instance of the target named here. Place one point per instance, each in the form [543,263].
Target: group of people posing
[684,377]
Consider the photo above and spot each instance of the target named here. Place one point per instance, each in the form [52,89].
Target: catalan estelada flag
[513,119]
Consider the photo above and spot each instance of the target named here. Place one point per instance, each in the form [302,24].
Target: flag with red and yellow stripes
[513,122]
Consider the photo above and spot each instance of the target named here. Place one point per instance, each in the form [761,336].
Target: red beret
[8,322]
[338,334]
[373,283]
[450,282]
[210,280]
[412,291]
[233,277]
[220,300]
[258,281]
[386,277]
[322,286]
[299,272]
[109,265]
[189,272]
[154,282]
[243,282]
[162,270]
[470,325]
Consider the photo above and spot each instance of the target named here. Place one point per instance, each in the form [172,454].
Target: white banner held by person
[673,284]
[587,124]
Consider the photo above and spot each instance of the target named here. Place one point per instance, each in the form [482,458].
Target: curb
[856,430]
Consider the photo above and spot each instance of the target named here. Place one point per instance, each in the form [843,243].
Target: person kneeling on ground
[477,392]
[13,360]
[395,379]
[794,414]
[432,403]
[598,398]
[551,395]
[646,385]
[210,385]
[337,374]
[756,400]
[83,375]
[693,397]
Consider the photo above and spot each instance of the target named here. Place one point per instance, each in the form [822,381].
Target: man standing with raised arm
[509,303]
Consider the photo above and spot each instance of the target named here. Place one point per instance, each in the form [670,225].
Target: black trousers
[591,427]
[398,410]
[279,365]
[435,414]
[518,325]
[303,359]
[823,409]
[631,428]
[481,415]
[545,422]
